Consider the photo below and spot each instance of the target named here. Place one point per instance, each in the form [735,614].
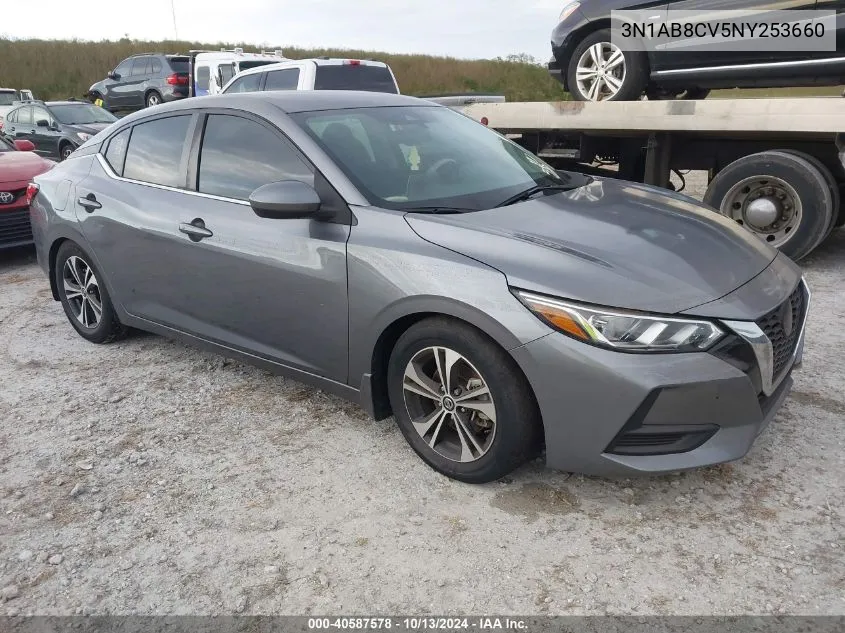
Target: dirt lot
[147,477]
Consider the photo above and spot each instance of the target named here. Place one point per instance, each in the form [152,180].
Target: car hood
[88,128]
[17,166]
[612,243]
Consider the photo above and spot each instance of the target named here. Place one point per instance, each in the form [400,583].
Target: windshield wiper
[533,191]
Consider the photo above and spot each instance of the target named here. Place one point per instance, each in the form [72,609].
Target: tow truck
[775,166]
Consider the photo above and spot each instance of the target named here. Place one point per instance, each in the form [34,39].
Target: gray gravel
[148,477]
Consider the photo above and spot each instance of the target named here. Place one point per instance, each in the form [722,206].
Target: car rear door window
[116,152]
[247,83]
[239,155]
[25,116]
[140,66]
[155,66]
[287,79]
[155,149]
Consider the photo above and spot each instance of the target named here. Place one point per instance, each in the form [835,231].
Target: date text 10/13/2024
[419,624]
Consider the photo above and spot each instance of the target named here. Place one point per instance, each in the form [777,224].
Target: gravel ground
[148,477]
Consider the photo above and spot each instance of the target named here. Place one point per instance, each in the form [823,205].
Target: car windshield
[7,98]
[430,158]
[81,114]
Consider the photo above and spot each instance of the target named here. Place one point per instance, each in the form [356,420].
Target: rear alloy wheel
[84,297]
[779,196]
[461,402]
[600,71]
[153,99]
[65,151]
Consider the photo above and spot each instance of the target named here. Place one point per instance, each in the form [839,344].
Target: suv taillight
[177,79]
[31,191]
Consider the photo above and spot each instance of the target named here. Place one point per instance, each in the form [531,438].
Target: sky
[457,28]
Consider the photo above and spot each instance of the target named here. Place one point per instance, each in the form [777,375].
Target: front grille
[15,227]
[783,327]
[17,193]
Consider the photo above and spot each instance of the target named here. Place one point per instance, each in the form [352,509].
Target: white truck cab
[321,73]
[8,98]
[211,70]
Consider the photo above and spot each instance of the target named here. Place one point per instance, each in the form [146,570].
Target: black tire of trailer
[831,183]
[807,181]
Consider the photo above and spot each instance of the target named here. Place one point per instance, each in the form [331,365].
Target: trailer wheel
[600,71]
[831,183]
[779,196]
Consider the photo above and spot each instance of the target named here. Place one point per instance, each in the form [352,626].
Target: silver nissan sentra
[401,255]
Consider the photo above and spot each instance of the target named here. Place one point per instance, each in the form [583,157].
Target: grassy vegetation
[56,69]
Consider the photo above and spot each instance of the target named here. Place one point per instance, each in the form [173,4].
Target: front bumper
[15,229]
[614,414]
[174,93]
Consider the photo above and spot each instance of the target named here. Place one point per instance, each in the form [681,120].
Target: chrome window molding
[762,346]
[110,173]
[714,69]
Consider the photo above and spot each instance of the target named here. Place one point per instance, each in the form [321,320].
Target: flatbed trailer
[776,166]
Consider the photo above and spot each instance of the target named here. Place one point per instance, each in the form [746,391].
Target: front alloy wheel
[461,401]
[601,71]
[450,405]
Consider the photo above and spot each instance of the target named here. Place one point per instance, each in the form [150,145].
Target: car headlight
[568,10]
[84,136]
[623,331]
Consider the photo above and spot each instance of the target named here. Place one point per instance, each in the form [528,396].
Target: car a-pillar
[787,198]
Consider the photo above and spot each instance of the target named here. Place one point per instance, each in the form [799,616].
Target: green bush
[58,69]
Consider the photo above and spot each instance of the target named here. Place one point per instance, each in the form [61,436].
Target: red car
[18,165]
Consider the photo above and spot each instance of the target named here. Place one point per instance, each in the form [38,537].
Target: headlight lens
[623,331]
[84,136]
[568,10]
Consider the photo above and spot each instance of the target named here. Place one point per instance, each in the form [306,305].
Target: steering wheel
[448,175]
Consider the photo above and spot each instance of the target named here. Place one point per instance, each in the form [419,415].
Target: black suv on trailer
[143,81]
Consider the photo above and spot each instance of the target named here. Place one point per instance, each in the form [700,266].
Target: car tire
[831,184]
[474,439]
[803,204]
[84,296]
[153,98]
[630,73]
[65,150]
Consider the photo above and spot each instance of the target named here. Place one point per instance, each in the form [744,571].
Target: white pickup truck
[236,71]
[8,97]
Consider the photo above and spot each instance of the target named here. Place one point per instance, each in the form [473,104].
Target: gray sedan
[403,256]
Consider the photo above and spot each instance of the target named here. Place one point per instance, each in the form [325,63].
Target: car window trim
[193,140]
[186,145]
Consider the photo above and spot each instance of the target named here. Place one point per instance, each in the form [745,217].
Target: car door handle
[89,203]
[195,230]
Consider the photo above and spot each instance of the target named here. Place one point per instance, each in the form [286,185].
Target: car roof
[319,61]
[292,101]
[66,102]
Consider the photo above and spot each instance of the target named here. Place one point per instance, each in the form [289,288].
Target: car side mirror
[114,76]
[42,123]
[24,146]
[285,200]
